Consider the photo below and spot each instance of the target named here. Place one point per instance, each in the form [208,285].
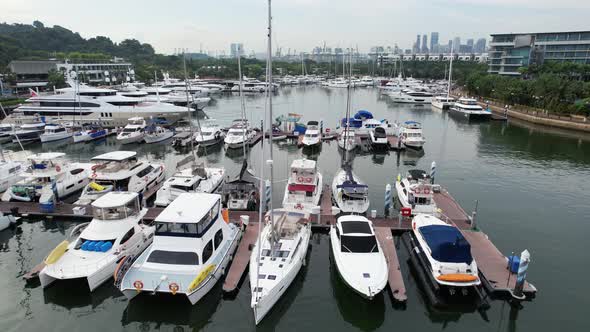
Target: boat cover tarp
[447,244]
[363,115]
[354,123]
[302,187]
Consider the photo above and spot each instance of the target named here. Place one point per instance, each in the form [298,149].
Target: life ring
[94,167]
[146,178]
[94,175]
[308,180]
[417,190]
[161,168]
[173,287]
[426,191]
[300,179]
[57,168]
[138,285]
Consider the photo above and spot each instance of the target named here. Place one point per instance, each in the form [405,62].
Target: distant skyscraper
[469,45]
[434,42]
[450,46]
[235,49]
[417,44]
[457,44]
[424,44]
[480,46]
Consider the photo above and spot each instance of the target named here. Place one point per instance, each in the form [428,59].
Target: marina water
[532,187]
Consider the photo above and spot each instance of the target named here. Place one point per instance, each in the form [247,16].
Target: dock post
[432,171]
[267,194]
[474,216]
[525,258]
[387,199]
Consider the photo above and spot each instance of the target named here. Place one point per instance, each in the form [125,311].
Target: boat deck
[396,281]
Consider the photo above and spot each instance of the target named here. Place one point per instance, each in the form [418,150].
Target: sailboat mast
[188,110]
[269,92]
[450,71]
[242,105]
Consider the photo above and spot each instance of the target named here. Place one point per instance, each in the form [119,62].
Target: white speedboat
[415,192]
[347,140]
[29,132]
[469,109]
[6,132]
[407,96]
[191,250]
[194,179]
[90,132]
[133,132]
[55,132]
[312,136]
[155,134]
[378,138]
[121,171]
[358,255]
[49,177]
[10,173]
[277,258]
[239,134]
[349,193]
[210,134]
[442,102]
[410,133]
[241,192]
[304,186]
[115,232]
[447,252]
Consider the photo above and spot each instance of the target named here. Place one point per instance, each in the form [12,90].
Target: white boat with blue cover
[95,248]
[349,193]
[191,250]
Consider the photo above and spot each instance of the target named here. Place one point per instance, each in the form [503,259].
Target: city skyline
[208,26]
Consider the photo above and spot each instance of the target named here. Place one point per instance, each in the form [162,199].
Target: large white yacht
[410,133]
[191,250]
[415,192]
[304,186]
[133,132]
[85,104]
[447,252]
[115,232]
[156,134]
[411,97]
[442,102]
[49,177]
[120,171]
[469,109]
[195,178]
[277,258]
[239,133]
[349,193]
[312,136]
[359,258]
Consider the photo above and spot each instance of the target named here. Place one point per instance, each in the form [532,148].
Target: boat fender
[95,185]
[84,246]
[201,277]
[225,215]
[138,285]
[106,247]
[173,287]
[57,168]
[98,245]
[56,253]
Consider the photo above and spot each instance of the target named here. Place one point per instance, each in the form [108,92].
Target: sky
[297,24]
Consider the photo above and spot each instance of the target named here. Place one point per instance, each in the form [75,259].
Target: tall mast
[450,71]
[188,110]
[242,105]
[269,93]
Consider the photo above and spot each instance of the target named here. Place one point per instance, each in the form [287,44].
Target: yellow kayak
[56,253]
[201,277]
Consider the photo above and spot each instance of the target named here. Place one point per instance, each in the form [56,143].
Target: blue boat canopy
[363,115]
[447,244]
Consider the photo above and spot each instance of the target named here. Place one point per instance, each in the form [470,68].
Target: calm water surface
[531,183]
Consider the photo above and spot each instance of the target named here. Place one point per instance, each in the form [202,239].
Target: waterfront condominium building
[508,52]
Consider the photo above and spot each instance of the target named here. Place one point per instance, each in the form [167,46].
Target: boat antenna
[188,111]
[242,104]
[450,71]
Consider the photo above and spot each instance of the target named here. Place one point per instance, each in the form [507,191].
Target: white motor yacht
[358,256]
[90,132]
[55,132]
[411,97]
[312,136]
[10,173]
[155,134]
[469,109]
[277,258]
[304,186]
[415,192]
[378,138]
[29,132]
[121,171]
[191,250]
[6,132]
[210,134]
[133,132]
[410,133]
[193,179]
[239,134]
[49,177]
[95,249]
[447,252]
[349,193]
[442,102]
[347,140]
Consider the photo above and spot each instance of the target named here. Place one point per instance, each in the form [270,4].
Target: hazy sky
[298,24]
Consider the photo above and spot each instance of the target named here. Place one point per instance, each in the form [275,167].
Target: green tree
[56,79]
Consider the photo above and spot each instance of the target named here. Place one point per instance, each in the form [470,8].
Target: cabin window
[76,171]
[128,235]
[173,257]
[358,244]
[422,200]
[218,239]
[145,171]
[337,232]
[207,251]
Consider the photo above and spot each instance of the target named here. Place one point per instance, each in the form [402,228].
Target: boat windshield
[130,130]
[358,244]
[173,257]
[237,133]
[117,212]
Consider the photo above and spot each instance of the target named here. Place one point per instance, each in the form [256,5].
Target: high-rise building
[235,49]
[480,46]
[469,44]
[450,46]
[508,52]
[434,42]
[417,44]
[457,44]
[424,44]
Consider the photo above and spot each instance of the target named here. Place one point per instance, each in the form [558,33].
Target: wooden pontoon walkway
[241,258]
[396,281]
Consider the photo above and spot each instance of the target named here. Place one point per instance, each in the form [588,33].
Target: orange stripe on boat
[457,277]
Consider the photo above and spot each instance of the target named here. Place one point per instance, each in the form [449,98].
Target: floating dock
[395,281]
[241,258]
